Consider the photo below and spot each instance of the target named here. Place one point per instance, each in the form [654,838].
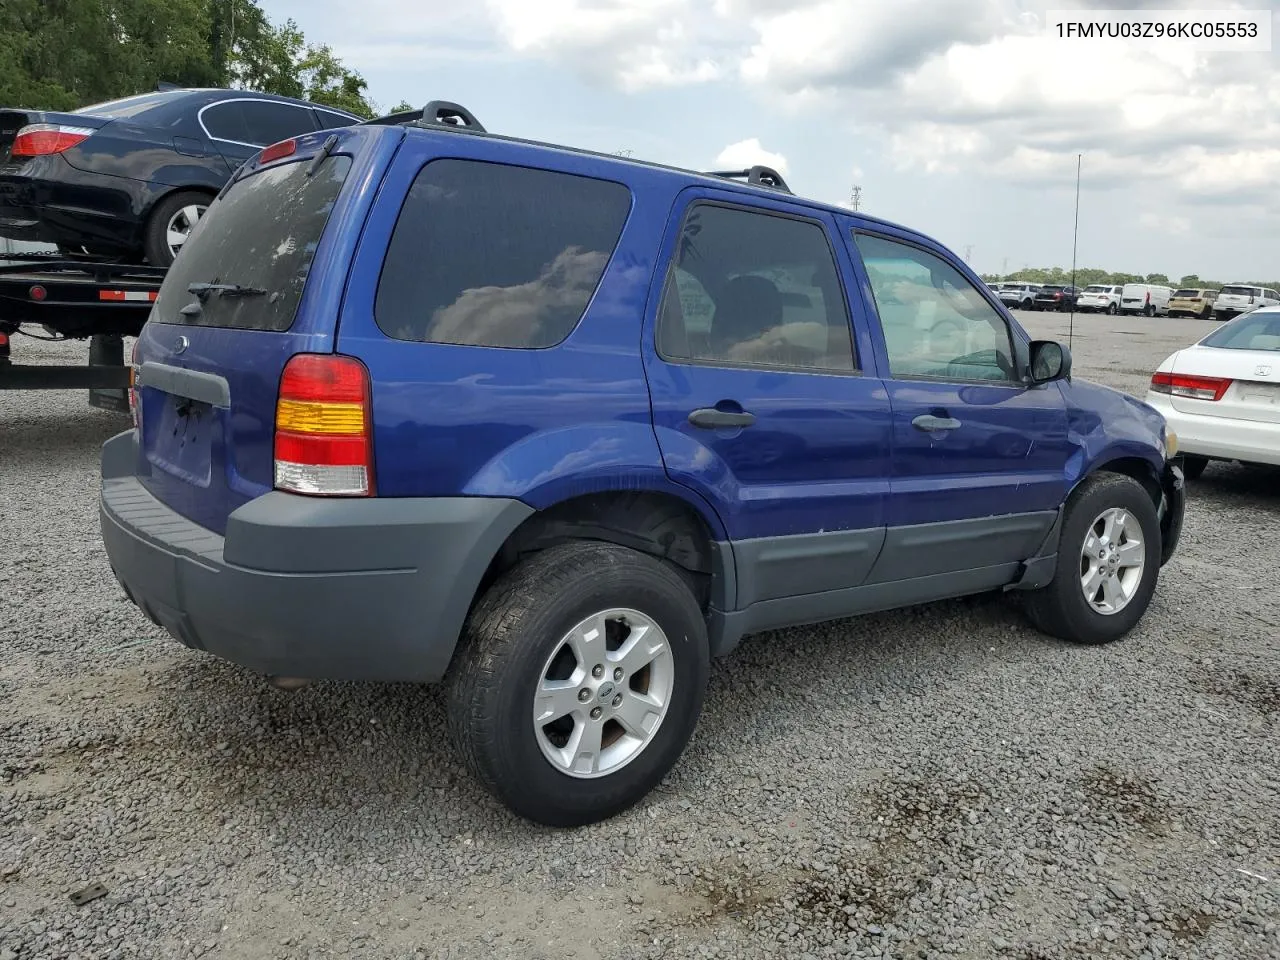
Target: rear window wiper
[202,290]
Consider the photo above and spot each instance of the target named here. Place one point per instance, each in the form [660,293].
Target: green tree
[64,54]
[1157,278]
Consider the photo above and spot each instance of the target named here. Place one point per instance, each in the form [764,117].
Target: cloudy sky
[961,118]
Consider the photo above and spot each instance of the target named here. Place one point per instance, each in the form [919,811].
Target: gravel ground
[936,782]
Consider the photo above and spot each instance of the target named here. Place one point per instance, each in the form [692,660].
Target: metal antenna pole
[1075,233]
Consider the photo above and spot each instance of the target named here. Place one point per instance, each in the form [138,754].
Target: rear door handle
[709,418]
[928,422]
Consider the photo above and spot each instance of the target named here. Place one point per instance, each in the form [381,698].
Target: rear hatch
[1236,298]
[276,245]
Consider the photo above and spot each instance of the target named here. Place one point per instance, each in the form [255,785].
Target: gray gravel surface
[936,782]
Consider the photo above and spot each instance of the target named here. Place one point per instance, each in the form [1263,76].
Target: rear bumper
[370,589]
[47,200]
[1220,438]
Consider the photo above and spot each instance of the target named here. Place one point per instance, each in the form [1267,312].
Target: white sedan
[1221,395]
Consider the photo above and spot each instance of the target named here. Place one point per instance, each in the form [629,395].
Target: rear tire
[1064,608]
[176,215]
[1193,466]
[1112,309]
[527,635]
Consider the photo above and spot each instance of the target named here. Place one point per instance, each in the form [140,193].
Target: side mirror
[1050,361]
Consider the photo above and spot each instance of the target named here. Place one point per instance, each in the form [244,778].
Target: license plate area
[1265,394]
[180,439]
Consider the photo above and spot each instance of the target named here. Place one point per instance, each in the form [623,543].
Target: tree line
[65,54]
[1091,275]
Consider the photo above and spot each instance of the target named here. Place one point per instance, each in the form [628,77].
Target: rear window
[1240,291]
[492,255]
[1051,289]
[130,106]
[1097,289]
[262,234]
[1253,331]
[1187,294]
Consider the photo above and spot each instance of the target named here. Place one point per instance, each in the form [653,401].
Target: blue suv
[422,403]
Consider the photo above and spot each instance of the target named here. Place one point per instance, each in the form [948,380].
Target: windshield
[262,234]
[1251,331]
[1240,291]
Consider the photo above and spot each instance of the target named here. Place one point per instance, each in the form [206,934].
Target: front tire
[1108,563]
[579,682]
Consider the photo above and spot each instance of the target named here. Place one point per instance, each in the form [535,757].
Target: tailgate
[259,280]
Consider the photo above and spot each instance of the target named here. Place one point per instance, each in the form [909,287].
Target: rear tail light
[324,434]
[284,148]
[41,139]
[1184,385]
[135,406]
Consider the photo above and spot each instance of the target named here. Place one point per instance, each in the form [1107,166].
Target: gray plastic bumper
[348,589]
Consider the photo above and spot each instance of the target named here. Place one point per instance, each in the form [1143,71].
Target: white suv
[1237,298]
[1101,297]
[1018,296]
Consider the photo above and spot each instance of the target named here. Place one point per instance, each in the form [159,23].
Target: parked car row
[1138,299]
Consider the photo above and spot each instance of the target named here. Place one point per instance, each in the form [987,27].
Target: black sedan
[1055,297]
[131,177]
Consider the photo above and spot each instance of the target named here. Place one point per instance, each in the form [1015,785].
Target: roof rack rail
[443,113]
[758,175]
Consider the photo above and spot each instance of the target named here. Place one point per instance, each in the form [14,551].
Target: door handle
[928,422]
[709,418]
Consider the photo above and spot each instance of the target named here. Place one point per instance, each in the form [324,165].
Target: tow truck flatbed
[97,300]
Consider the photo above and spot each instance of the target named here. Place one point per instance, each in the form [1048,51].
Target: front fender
[1105,426]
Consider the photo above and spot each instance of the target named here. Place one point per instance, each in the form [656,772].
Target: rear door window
[225,121]
[261,234]
[269,122]
[487,254]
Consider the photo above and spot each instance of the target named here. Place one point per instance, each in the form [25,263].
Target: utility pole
[1004,267]
[855,197]
[968,252]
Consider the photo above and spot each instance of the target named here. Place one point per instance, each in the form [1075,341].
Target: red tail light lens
[135,406]
[1185,385]
[284,148]
[41,139]
[324,433]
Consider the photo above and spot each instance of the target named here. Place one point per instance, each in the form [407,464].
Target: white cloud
[635,44]
[946,85]
[748,153]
